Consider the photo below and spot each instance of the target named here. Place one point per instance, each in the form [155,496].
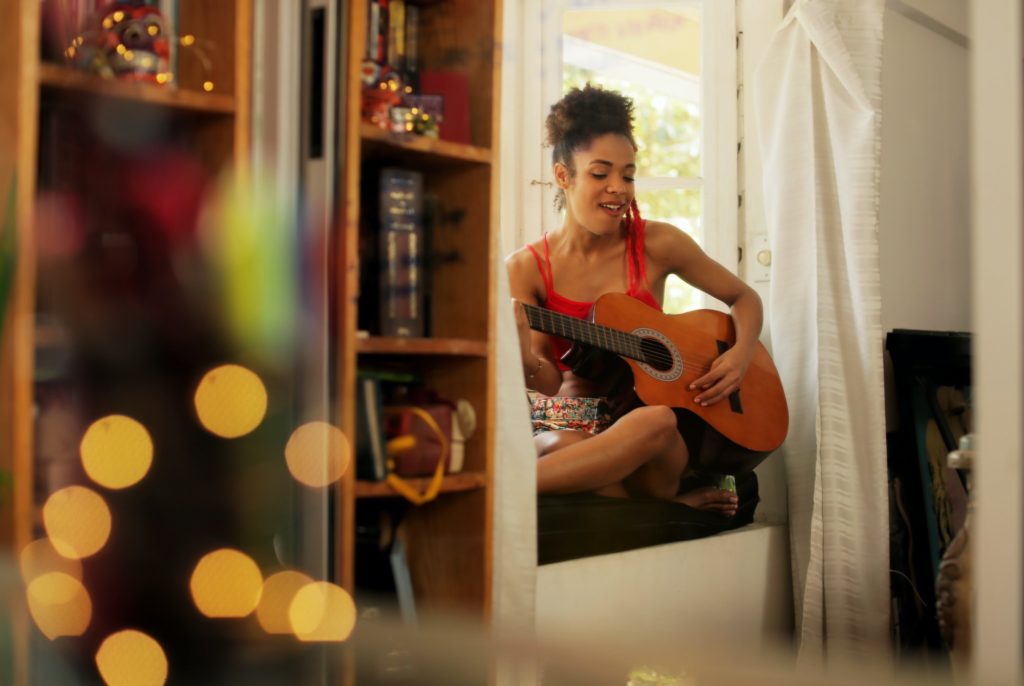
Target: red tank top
[636,270]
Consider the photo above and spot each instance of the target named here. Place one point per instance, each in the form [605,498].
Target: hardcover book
[371,453]
[402,278]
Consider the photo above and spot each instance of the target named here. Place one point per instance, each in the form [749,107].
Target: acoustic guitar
[667,352]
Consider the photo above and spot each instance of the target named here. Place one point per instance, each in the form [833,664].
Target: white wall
[925,208]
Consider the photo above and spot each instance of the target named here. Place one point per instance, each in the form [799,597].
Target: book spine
[169,11]
[401,251]
[372,31]
[382,31]
[412,46]
[371,459]
[396,35]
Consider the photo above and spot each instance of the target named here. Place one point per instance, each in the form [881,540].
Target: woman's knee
[550,441]
[655,422]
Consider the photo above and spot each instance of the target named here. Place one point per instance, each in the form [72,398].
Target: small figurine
[125,40]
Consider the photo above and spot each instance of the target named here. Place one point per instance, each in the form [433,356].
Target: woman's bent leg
[646,438]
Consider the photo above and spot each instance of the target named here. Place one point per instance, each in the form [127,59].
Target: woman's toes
[711,499]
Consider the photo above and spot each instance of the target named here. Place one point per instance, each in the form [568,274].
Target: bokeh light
[117,451]
[131,658]
[77,520]
[230,401]
[317,454]
[59,605]
[278,593]
[322,612]
[226,583]
[40,557]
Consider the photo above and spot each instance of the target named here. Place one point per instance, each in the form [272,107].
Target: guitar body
[683,346]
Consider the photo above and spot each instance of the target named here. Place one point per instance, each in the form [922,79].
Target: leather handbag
[419,444]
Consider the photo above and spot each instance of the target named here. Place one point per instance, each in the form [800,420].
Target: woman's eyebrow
[609,164]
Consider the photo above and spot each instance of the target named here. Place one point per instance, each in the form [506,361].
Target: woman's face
[597,197]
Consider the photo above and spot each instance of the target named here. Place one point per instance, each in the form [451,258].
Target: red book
[453,86]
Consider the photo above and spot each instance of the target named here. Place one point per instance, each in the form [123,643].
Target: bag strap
[406,489]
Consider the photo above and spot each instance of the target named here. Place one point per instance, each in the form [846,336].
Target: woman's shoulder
[524,255]
[660,236]
[524,270]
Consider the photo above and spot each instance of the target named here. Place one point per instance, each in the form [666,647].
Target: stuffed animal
[126,40]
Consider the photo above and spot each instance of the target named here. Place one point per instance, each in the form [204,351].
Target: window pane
[681,208]
[652,56]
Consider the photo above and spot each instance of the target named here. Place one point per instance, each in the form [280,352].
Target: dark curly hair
[582,115]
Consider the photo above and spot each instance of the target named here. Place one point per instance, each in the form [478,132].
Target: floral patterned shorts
[560,413]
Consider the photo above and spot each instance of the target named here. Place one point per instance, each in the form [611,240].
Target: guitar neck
[581,331]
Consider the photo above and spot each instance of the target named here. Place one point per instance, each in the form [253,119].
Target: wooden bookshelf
[57,78]
[431,151]
[452,483]
[41,101]
[457,347]
[449,542]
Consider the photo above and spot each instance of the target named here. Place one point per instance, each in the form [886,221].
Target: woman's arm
[680,255]
[539,369]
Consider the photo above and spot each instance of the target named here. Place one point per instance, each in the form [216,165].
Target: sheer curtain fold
[817,99]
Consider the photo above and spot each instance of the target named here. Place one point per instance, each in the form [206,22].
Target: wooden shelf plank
[379,345]
[453,483]
[62,79]
[456,152]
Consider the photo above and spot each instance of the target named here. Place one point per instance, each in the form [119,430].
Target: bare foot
[711,499]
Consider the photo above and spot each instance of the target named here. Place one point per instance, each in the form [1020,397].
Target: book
[401,276]
[403,579]
[169,11]
[396,36]
[412,47]
[371,454]
[372,31]
[453,87]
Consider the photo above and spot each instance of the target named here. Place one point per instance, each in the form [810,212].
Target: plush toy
[125,40]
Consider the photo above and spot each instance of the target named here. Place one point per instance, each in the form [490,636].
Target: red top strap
[544,267]
[636,270]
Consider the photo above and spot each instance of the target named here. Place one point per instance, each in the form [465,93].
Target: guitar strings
[629,344]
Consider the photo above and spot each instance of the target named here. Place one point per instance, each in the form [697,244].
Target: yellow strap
[434,487]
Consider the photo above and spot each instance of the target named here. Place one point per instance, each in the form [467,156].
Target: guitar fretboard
[580,331]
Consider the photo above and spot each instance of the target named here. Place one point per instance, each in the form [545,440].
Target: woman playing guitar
[603,247]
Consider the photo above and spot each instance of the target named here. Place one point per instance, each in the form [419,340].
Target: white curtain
[817,96]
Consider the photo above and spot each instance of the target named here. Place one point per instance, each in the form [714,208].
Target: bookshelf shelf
[379,345]
[453,483]
[449,546]
[57,79]
[377,141]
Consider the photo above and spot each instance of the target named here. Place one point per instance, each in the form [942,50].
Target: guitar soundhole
[656,354]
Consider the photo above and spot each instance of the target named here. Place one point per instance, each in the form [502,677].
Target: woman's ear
[562,175]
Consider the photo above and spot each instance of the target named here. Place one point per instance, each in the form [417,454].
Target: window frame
[529,205]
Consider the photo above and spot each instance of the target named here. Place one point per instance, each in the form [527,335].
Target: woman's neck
[581,240]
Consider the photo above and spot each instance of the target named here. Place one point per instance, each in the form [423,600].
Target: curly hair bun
[586,113]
